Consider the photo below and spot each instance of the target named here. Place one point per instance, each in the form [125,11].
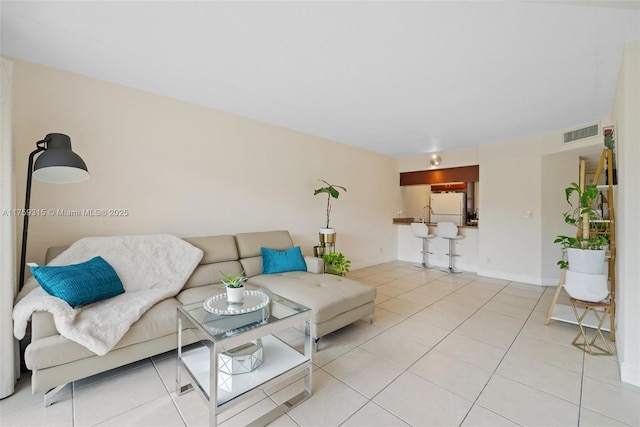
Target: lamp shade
[58,163]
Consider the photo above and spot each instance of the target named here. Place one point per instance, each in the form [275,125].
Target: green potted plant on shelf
[328,234]
[336,263]
[235,286]
[586,251]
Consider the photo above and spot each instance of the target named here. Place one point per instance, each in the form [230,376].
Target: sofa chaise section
[335,300]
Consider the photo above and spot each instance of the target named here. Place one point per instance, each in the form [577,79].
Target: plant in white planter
[235,286]
[585,251]
[331,191]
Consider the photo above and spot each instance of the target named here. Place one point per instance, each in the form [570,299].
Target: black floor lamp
[58,164]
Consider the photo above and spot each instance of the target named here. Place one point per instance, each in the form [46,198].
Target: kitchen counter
[409,247]
[408,221]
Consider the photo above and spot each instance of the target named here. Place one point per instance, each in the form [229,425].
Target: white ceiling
[400,78]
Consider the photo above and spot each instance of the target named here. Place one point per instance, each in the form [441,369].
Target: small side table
[600,310]
[220,333]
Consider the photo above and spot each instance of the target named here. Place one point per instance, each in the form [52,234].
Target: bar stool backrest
[447,230]
[419,229]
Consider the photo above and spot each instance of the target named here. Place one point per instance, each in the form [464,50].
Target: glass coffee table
[222,327]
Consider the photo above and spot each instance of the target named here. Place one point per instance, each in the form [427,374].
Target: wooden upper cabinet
[439,176]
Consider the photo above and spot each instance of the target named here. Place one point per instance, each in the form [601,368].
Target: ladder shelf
[604,226]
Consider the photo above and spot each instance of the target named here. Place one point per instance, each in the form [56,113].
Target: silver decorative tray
[252,301]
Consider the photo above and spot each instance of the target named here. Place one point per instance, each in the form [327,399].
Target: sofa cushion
[252,266]
[53,252]
[277,261]
[250,244]
[207,274]
[79,284]
[215,248]
[158,321]
[250,248]
[201,293]
[220,253]
[327,295]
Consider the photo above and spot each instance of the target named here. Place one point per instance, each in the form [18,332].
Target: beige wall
[555,177]
[187,170]
[510,184]
[521,176]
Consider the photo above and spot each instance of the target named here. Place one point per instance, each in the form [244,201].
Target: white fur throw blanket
[151,269]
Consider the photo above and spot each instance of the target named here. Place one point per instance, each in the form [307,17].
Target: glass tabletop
[221,326]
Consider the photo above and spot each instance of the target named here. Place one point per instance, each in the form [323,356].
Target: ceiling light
[435,160]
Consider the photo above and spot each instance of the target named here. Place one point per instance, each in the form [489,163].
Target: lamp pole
[27,202]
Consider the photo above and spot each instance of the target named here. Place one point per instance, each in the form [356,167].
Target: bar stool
[449,231]
[589,293]
[421,230]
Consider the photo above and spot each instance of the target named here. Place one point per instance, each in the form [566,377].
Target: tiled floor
[445,350]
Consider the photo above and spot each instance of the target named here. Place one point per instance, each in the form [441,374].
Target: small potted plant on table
[235,287]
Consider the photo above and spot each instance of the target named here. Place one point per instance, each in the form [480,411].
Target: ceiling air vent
[585,132]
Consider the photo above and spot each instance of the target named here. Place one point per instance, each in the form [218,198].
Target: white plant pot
[586,261]
[586,287]
[235,295]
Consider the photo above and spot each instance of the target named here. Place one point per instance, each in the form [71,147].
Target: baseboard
[530,280]
[444,263]
[368,263]
[550,281]
[471,268]
[628,373]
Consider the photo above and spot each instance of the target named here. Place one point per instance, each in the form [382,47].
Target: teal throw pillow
[275,261]
[79,284]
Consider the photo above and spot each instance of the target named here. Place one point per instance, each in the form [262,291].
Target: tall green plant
[331,190]
[581,217]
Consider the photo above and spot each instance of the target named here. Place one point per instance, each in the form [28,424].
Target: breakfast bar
[410,247]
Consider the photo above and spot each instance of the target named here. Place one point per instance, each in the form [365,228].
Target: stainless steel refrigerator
[447,207]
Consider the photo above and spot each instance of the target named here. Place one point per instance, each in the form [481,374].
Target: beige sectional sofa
[336,302]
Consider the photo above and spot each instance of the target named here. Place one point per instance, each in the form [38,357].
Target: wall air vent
[585,132]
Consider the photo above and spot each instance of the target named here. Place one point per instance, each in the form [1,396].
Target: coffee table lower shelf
[280,362]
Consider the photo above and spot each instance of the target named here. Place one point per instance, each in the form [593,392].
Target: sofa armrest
[42,325]
[314,264]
